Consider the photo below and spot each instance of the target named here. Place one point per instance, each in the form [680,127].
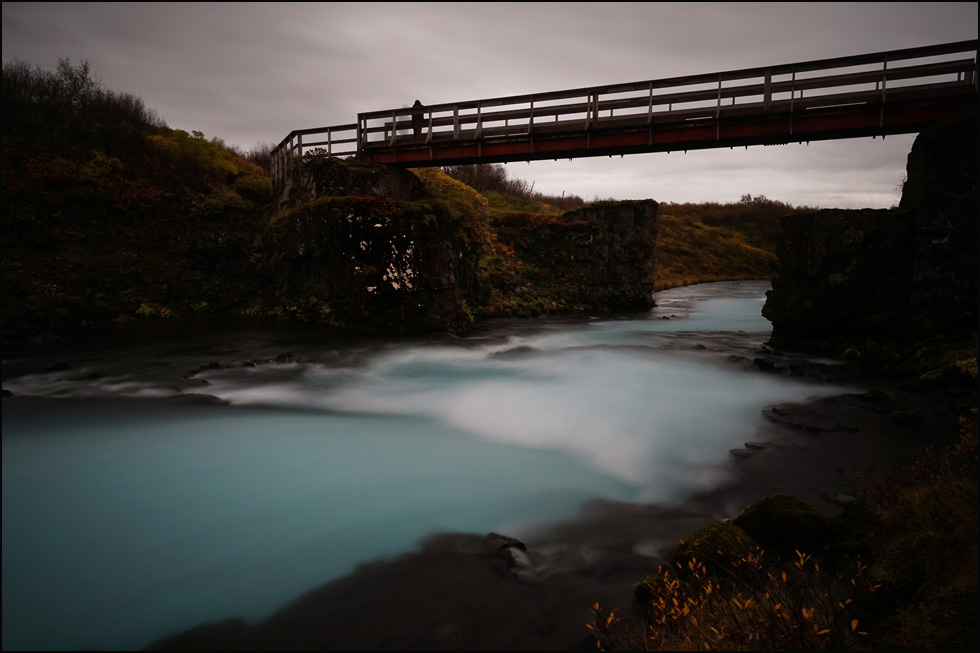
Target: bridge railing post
[884,85]
[973,73]
[650,105]
[718,112]
[767,91]
[792,99]
[299,147]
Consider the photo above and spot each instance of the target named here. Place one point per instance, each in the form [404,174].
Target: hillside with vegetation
[109,216]
[709,241]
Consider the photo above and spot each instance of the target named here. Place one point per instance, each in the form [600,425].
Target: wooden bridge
[894,92]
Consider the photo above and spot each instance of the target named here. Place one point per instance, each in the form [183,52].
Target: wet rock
[763,364]
[807,418]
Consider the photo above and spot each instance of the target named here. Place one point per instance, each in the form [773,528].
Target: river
[138,502]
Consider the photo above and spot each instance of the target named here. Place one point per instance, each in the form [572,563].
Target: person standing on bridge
[417,118]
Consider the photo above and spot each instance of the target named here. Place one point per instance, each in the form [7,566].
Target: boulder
[785,523]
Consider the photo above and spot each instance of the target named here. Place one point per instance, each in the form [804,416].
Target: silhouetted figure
[417,118]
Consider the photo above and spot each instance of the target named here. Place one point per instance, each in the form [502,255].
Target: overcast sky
[252,72]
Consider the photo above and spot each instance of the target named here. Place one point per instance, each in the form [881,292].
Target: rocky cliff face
[372,262]
[942,190]
[375,249]
[843,275]
[849,276]
[599,257]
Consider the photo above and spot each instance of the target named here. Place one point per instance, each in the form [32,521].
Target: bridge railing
[882,77]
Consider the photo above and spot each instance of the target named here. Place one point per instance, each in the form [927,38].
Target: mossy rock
[720,546]
[933,378]
[785,523]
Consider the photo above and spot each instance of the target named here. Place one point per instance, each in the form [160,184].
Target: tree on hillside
[69,110]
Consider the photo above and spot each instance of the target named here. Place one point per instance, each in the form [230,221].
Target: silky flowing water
[136,505]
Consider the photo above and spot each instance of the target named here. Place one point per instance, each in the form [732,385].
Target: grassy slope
[689,251]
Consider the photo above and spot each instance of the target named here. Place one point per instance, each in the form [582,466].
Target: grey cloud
[250,72]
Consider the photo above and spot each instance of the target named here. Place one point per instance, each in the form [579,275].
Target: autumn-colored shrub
[761,604]
[918,591]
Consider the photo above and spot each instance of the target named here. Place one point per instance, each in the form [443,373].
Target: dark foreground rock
[459,593]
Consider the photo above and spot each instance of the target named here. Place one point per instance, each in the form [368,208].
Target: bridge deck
[844,97]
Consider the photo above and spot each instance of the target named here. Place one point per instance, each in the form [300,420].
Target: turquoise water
[129,514]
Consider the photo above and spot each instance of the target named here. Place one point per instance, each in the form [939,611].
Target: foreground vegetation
[901,575]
